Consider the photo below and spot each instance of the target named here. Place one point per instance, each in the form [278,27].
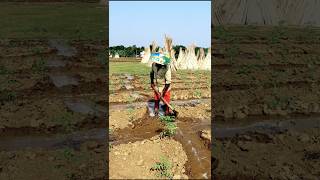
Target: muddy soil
[48,121]
[265,103]
[279,76]
[196,150]
[267,149]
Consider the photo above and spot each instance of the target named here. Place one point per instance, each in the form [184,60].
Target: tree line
[132,51]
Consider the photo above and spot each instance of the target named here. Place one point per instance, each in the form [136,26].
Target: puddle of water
[129,77]
[189,102]
[63,80]
[63,48]
[151,109]
[225,130]
[73,140]
[84,107]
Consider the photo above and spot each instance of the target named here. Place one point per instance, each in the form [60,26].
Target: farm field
[51,123]
[140,144]
[266,102]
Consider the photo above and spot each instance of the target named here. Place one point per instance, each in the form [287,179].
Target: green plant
[197,93]
[232,52]
[169,130]
[68,154]
[37,50]
[39,66]
[131,114]
[4,70]
[8,95]
[258,55]
[163,168]
[65,120]
[131,99]
[166,119]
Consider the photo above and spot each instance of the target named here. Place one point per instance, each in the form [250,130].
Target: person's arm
[152,77]
[167,81]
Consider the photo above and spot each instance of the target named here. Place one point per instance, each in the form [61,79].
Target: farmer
[161,71]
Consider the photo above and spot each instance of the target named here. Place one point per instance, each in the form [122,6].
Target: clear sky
[141,22]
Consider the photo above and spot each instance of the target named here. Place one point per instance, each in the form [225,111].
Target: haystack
[206,62]
[190,60]
[181,57]
[200,57]
[146,55]
[168,49]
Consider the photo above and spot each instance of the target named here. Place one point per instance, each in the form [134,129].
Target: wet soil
[199,163]
[47,120]
[277,148]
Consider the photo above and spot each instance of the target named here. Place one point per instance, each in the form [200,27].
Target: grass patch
[65,119]
[71,21]
[39,66]
[128,67]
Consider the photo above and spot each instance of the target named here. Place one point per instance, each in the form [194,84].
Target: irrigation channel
[199,155]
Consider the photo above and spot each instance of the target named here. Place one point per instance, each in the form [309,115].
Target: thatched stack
[148,51]
[190,60]
[146,55]
[168,49]
[205,63]
[181,57]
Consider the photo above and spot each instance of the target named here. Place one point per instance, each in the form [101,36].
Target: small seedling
[65,120]
[167,119]
[169,130]
[258,55]
[4,70]
[197,93]
[163,168]
[8,95]
[39,66]
[67,153]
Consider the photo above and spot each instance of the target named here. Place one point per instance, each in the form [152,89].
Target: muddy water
[123,106]
[199,156]
[74,140]
[231,129]
[61,80]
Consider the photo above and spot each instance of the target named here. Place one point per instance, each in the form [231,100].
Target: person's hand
[163,93]
[153,86]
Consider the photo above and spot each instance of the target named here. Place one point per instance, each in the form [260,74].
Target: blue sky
[141,22]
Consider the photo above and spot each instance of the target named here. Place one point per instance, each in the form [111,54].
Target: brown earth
[261,75]
[46,93]
[133,160]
